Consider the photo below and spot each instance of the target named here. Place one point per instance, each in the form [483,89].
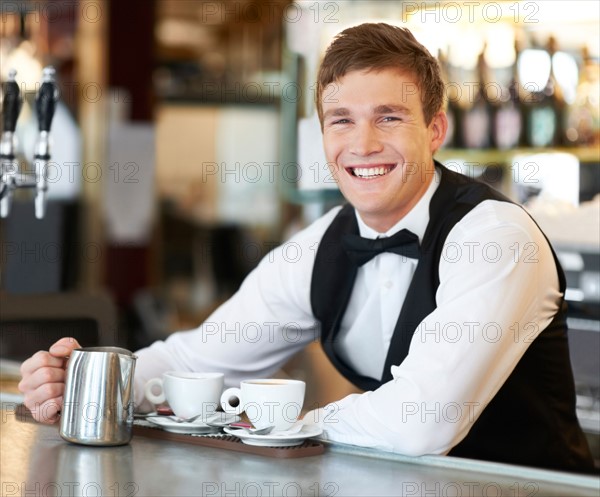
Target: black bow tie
[361,250]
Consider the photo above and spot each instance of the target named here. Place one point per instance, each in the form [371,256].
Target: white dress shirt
[377,297]
[498,289]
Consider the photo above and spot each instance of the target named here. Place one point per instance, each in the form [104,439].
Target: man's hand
[43,380]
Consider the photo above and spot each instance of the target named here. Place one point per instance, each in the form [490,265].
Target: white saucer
[275,439]
[199,426]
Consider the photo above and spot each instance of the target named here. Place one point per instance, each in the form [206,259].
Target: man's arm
[256,331]
[494,297]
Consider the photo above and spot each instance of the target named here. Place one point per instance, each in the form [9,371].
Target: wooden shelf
[493,156]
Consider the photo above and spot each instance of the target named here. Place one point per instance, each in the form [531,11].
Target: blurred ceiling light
[566,73]
[465,49]
[534,68]
[433,40]
[562,12]
[500,46]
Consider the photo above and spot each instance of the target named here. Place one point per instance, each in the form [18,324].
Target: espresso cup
[188,394]
[266,402]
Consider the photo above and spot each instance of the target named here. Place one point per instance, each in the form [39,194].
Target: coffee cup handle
[229,396]
[150,384]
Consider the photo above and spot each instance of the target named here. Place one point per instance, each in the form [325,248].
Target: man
[453,322]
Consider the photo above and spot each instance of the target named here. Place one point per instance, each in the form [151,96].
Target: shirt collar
[416,220]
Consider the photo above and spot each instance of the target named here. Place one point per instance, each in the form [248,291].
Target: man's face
[377,144]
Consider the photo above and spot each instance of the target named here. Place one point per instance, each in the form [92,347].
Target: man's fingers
[41,376]
[46,412]
[45,401]
[43,394]
[64,347]
[53,358]
[39,360]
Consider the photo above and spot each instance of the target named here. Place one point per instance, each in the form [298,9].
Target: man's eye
[341,121]
[391,118]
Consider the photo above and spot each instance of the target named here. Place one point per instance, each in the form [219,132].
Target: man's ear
[438,128]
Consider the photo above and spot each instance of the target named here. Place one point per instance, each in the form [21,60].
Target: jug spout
[127,368]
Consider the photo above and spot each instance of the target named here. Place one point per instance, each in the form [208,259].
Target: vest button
[388,284]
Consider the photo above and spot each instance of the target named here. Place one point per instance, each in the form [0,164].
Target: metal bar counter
[36,462]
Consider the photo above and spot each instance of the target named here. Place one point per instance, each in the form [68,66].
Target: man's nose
[365,140]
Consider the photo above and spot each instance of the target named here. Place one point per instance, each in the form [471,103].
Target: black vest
[531,420]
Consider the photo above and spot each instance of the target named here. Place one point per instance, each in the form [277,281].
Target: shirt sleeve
[256,331]
[498,290]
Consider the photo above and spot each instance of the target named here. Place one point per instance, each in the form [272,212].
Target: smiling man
[430,291]
[378,143]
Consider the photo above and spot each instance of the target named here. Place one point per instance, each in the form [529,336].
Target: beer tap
[11,107]
[10,178]
[45,106]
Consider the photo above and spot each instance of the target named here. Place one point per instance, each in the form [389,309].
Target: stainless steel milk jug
[98,398]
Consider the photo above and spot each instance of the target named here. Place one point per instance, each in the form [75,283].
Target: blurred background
[185,146]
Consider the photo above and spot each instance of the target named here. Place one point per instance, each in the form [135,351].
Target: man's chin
[368,209]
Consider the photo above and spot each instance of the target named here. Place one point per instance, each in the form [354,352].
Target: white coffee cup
[266,402]
[188,394]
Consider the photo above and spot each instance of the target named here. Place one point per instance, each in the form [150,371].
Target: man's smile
[371,171]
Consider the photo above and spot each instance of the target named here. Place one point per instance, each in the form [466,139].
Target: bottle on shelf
[476,122]
[544,104]
[451,102]
[582,120]
[507,126]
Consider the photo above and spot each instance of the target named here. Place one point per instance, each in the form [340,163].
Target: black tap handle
[11,104]
[46,100]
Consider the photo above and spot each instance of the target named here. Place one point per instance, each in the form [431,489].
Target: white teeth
[363,172]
